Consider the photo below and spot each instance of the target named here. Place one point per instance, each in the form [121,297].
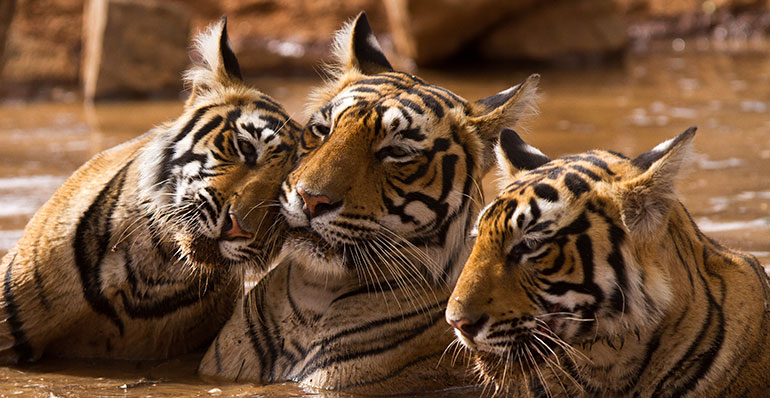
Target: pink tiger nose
[469,327]
[315,205]
[233,230]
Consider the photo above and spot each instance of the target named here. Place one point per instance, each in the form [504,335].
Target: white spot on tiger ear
[372,41]
[508,90]
[530,149]
[663,146]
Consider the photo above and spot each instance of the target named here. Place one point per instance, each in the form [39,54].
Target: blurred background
[80,76]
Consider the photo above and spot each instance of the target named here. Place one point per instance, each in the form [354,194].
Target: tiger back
[378,208]
[588,278]
[140,254]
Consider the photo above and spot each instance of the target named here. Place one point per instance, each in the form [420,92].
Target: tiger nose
[233,230]
[316,205]
[470,326]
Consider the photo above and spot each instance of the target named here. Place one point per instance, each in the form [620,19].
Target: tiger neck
[689,337]
[140,234]
[317,292]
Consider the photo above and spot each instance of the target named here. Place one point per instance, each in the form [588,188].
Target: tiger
[140,254]
[378,208]
[589,278]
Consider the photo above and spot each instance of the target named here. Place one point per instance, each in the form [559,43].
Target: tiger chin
[142,252]
[378,209]
[588,278]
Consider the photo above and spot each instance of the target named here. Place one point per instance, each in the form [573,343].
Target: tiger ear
[513,154]
[647,199]
[355,47]
[214,62]
[489,115]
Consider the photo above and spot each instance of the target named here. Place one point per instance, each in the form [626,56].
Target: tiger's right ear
[355,47]
[214,62]
[514,155]
[646,200]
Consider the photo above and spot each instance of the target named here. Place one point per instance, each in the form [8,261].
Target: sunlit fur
[588,278]
[358,297]
[137,256]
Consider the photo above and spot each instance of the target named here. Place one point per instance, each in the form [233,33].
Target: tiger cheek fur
[589,278]
[141,253]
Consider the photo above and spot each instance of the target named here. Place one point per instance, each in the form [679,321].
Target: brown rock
[429,31]
[134,48]
[290,35]
[563,28]
[6,14]
[43,44]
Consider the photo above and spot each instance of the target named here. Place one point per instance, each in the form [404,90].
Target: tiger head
[566,255]
[211,178]
[391,167]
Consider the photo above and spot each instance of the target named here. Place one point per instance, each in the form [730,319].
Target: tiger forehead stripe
[431,96]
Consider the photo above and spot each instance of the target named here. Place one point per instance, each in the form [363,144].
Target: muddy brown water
[628,108]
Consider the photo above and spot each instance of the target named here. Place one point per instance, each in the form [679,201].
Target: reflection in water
[707,225]
[628,109]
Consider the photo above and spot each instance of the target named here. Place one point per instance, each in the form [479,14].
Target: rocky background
[101,49]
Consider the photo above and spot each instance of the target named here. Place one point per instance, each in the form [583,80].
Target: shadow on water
[628,108]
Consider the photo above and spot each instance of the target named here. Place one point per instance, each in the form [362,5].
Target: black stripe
[411,105]
[91,243]
[575,184]
[367,289]
[534,210]
[270,106]
[546,192]
[41,294]
[164,171]
[405,336]
[588,173]
[558,262]
[700,362]
[21,345]
[443,95]
[429,101]
[386,80]
[211,125]
[593,160]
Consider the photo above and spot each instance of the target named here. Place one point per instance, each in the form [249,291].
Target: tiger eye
[321,130]
[247,150]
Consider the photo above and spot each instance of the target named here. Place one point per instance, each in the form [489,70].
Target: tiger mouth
[524,355]
[321,247]
[205,253]
[344,253]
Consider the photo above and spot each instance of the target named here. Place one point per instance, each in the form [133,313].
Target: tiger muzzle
[233,230]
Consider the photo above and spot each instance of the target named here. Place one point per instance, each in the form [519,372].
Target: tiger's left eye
[247,150]
[521,249]
[394,152]
[319,130]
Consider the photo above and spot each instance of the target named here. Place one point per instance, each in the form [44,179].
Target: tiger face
[562,256]
[212,178]
[391,166]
